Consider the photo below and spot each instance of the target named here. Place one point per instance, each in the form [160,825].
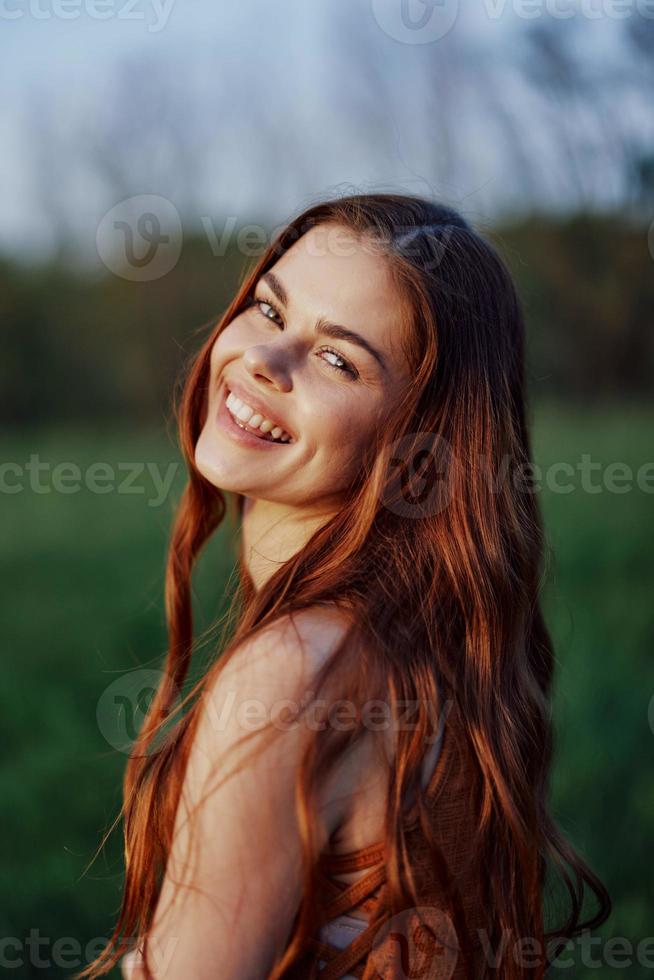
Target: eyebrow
[326,326]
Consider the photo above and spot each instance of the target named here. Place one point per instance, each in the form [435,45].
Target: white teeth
[241,410]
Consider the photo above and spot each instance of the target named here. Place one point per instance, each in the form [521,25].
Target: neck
[272,533]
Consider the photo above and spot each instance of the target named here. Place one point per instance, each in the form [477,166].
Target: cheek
[230,343]
[220,349]
[215,359]
[344,432]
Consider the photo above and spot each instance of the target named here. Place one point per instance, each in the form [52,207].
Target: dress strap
[348,960]
[364,857]
[355,959]
[345,897]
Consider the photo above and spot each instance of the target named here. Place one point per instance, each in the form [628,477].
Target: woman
[362,401]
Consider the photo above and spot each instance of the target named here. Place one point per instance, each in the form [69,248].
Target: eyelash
[345,369]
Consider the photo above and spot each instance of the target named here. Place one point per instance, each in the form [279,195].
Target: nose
[268,365]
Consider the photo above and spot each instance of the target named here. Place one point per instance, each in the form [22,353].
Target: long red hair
[442,576]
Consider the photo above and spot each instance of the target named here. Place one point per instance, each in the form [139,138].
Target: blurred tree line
[82,344]
[79,346]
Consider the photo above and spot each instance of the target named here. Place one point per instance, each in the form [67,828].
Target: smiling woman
[357,403]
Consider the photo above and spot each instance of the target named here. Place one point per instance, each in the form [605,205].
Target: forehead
[334,273]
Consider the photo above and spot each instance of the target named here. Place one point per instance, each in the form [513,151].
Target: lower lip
[232,429]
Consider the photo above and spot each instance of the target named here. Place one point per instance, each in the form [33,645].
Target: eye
[264,302]
[344,367]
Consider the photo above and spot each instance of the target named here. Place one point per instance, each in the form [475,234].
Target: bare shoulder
[279,665]
[291,649]
[267,677]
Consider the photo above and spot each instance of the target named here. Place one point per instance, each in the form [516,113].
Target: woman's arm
[243,884]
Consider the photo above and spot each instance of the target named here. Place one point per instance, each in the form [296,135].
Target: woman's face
[284,358]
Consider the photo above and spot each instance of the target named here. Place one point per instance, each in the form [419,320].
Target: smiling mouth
[264,429]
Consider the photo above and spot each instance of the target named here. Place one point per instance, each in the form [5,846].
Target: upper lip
[259,405]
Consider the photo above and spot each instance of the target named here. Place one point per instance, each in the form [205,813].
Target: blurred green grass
[82,598]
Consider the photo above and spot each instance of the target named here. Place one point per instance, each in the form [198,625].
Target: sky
[254,109]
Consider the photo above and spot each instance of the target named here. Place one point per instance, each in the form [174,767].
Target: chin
[213,466]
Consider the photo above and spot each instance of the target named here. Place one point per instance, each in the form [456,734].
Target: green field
[82,604]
